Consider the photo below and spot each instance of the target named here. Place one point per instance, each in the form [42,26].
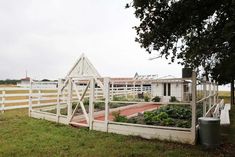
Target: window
[167,89]
[164,89]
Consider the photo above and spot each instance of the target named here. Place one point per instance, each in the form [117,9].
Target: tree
[201,33]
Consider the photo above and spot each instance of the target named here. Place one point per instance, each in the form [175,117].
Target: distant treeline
[8,81]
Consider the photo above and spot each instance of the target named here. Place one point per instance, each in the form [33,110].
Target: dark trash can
[209,132]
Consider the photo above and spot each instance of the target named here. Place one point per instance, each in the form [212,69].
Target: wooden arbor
[65,92]
[83,72]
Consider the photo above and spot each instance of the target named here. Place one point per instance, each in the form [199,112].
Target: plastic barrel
[209,132]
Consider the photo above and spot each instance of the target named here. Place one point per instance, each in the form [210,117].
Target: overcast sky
[46,37]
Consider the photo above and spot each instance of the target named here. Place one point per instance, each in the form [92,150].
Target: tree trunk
[232,92]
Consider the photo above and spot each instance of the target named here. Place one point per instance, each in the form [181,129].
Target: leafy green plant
[86,101]
[119,98]
[168,122]
[173,99]
[170,115]
[146,98]
[99,105]
[156,99]
[118,117]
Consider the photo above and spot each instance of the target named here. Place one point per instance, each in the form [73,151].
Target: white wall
[176,90]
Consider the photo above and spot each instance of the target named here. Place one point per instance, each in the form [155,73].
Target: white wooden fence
[17,97]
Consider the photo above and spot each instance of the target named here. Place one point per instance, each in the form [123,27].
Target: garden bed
[170,115]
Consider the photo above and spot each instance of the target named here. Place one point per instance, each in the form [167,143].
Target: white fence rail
[17,97]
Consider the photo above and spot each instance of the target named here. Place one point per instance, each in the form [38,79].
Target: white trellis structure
[83,80]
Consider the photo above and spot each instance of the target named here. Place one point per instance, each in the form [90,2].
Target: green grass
[225,95]
[24,136]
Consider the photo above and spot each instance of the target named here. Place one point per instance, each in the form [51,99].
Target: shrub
[148,117]
[119,98]
[156,99]
[118,117]
[173,99]
[86,102]
[99,105]
[146,98]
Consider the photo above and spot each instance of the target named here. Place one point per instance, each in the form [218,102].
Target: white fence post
[91,103]
[112,90]
[133,90]
[30,97]
[214,92]
[210,95]
[58,99]
[193,105]
[69,102]
[3,100]
[205,95]
[106,90]
[39,96]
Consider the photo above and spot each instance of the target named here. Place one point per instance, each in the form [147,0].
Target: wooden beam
[107,99]
[91,103]
[193,105]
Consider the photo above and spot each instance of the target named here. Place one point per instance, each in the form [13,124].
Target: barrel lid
[208,119]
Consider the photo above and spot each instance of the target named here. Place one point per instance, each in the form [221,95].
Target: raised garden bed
[171,115]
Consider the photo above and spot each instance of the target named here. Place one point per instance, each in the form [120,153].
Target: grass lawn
[23,136]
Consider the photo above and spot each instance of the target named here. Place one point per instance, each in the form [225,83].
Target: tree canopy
[199,32]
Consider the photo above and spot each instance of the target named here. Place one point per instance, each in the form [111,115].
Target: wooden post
[133,90]
[3,100]
[69,99]
[91,103]
[210,102]
[112,91]
[126,90]
[214,92]
[106,90]
[39,96]
[58,99]
[141,86]
[193,105]
[204,95]
[30,97]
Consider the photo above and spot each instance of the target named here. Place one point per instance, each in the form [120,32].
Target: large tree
[201,33]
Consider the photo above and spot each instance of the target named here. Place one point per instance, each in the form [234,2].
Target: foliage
[171,115]
[99,105]
[173,99]
[9,81]
[200,33]
[146,98]
[119,98]
[118,117]
[86,102]
[156,99]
